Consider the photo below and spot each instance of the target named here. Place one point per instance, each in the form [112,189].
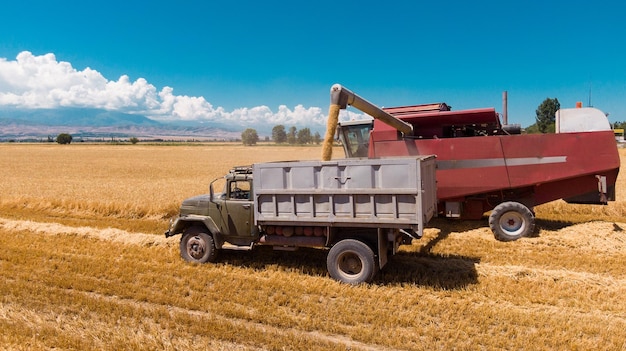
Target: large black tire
[510,221]
[198,247]
[351,261]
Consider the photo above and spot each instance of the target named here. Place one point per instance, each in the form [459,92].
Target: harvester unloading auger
[483,165]
[340,98]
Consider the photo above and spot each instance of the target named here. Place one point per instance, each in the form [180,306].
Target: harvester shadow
[549,224]
[452,225]
[448,225]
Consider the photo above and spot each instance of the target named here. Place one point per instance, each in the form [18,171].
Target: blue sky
[275,61]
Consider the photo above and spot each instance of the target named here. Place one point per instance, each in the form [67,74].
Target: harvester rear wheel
[351,261]
[511,220]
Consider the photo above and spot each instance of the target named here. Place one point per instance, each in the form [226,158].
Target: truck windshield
[217,184]
[355,137]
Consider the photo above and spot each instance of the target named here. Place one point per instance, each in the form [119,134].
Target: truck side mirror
[212,193]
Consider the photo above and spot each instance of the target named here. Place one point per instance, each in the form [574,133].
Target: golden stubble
[81,269]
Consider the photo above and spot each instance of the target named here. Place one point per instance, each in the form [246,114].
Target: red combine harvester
[483,165]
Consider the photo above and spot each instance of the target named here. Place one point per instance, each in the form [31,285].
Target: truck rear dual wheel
[351,261]
[197,246]
[510,221]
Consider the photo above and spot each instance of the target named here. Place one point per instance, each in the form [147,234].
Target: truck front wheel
[197,246]
[351,261]
[510,221]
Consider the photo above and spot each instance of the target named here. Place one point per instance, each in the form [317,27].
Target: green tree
[317,139]
[64,138]
[249,137]
[545,115]
[619,125]
[304,136]
[532,129]
[291,136]
[133,140]
[278,134]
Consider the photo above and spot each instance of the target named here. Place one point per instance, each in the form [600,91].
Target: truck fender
[179,225]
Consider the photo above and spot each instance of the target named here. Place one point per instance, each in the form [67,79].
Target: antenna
[589,104]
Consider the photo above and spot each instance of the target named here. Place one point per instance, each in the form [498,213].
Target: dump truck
[485,166]
[359,210]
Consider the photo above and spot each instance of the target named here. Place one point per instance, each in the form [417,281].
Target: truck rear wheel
[510,221]
[197,246]
[351,261]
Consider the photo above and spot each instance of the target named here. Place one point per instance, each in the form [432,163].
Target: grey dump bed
[386,192]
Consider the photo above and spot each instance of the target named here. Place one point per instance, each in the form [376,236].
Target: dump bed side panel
[394,192]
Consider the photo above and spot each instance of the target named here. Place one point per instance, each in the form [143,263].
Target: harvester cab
[355,137]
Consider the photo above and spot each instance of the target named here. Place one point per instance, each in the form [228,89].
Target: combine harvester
[483,165]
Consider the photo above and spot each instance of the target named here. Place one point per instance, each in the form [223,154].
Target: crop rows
[89,268]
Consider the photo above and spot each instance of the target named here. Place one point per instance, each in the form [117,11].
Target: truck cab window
[240,190]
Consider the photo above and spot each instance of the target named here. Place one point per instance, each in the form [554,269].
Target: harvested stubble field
[84,265]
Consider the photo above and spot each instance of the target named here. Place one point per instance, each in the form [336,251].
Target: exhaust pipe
[340,98]
[505,108]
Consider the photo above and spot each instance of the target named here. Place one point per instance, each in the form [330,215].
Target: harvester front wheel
[198,247]
[351,261]
[511,220]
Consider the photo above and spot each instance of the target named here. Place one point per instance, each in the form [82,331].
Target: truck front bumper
[170,231]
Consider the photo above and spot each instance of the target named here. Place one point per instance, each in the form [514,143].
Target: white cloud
[33,81]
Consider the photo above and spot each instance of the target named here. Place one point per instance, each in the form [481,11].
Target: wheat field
[84,266]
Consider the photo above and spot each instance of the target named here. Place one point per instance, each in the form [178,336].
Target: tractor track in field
[242,323]
[577,234]
[108,234]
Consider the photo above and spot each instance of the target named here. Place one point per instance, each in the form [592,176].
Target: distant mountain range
[90,123]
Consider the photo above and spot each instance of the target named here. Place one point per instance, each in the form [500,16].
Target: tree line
[280,135]
[65,138]
[544,123]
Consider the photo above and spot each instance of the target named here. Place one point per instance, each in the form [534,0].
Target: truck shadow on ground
[430,270]
[422,268]
[426,268]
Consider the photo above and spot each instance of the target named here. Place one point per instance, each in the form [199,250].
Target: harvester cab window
[240,190]
[356,138]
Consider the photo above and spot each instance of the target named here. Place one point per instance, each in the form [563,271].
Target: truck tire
[510,221]
[198,247]
[351,261]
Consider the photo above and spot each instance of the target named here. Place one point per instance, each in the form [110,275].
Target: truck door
[236,213]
